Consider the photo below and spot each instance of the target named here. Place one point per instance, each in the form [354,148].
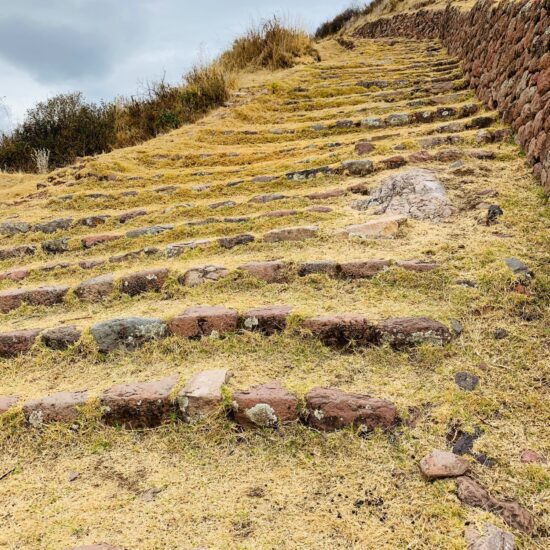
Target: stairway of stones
[276,327]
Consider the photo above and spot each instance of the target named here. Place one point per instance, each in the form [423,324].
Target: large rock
[151,280]
[54,225]
[198,275]
[357,167]
[330,409]
[202,395]
[61,338]
[338,331]
[401,332]
[265,406]
[291,234]
[415,193]
[127,333]
[140,404]
[199,321]
[490,538]
[268,319]
[96,289]
[275,271]
[17,342]
[386,227]
[441,464]
[59,407]
[14,228]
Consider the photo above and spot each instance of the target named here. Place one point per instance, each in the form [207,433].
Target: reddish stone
[332,193]
[401,332]
[272,272]
[342,330]
[394,162]
[16,274]
[202,395]
[421,156]
[127,216]
[269,319]
[364,148]
[139,405]
[18,251]
[59,407]
[532,457]
[330,409]
[16,342]
[265,406]
[96,289]
[46,296]
[94,240]
[320,209]
[280,213]
[11,299]
[363,269]
[61,338]
[7,402]
[543,81]
[199,321]
[151,280]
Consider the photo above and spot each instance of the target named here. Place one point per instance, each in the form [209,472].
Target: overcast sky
[106,48]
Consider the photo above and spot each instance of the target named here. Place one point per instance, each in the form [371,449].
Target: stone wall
[505,52]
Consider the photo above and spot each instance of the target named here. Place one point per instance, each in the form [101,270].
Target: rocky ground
[318,318]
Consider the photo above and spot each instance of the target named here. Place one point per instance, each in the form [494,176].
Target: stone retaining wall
[505,52]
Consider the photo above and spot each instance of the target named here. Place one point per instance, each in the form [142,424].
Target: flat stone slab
[151,280]
[58,407]
[386,227]
[95,240]
[268,319]
[490,538]
[363,269]
[329,409]
[265,406]
[199,321]
[341,330]
[401,332]
[291,234]
[272,271]
[199,275]
[96,289]
[319,267]
[202,395]
[17,342]
[44,296]
[128,333]
[61,338]
[441,464]
[140,404]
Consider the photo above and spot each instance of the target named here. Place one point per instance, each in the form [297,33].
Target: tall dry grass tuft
[270,45]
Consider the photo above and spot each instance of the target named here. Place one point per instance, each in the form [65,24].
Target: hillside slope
[472,376]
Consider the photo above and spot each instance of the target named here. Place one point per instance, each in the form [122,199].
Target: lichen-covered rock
[199,321]
[151,280]
[96,289]
[265,406]
[56,246]
[330,409]
[268,319]
[199,275]
[237,240]
[128,333]
[401,332]
[275,271]
[61,338]
[362,167]
[53,226]
[14,228]
[58,407]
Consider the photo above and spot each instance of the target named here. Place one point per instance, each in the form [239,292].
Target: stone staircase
[248,332]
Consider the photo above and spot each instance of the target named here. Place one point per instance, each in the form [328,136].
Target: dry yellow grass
[295,488]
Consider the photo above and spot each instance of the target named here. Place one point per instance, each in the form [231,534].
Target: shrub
[335,25]
[271,45]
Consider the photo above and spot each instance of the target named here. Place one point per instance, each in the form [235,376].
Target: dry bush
[270,45]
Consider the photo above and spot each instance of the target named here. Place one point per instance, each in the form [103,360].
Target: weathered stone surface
[129,333]
[402,332]
[279,213]
[466,381]
[16,342]
[262,199]
[14,228]
[342,330]
[148,231]
[222,204]
[362,269]
[330,194]
[95,240]
[199,321]
[56,246]
[330,409]
[237,240]
[291,234]
[324,267]
[440,464]
[96,289]
[94,220]
[268,319]
[202,395]
[265,406]
[15,274]
[140,404]
[364,148]
[58,407]
[151,280]
[357,167]
[274,271]
[127,216]
[394,162]
[198,275]
[385,227]
[416,193]
[472,493]
[490,538]
[61,338]
[177,249]
[12,299]
[53,226]
[45,296]
[17,251]
[90,264]
[7,402]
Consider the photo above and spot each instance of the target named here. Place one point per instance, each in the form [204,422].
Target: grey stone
[53,226]
[199,275]
[491,538]
[147,231]
[466,381]
[56,246]
[14,228]
[127,333]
